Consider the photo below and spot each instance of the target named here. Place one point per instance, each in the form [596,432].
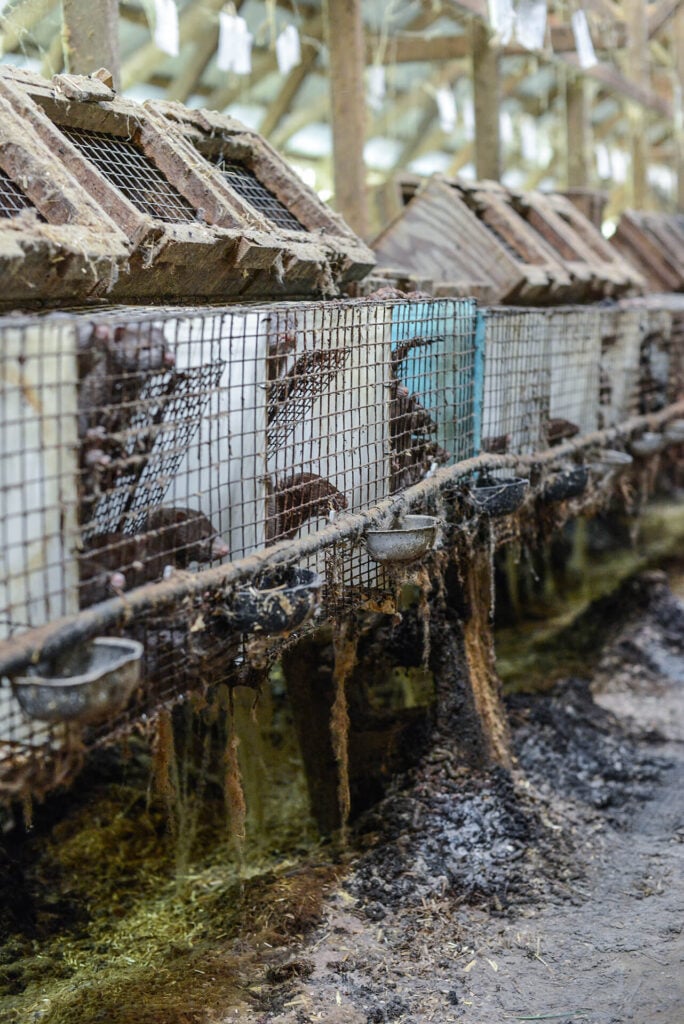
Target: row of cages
[138,446]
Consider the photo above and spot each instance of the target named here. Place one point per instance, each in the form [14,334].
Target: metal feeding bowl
[674,432]
[277,602]
[500,498]
[648,444]
[569,483]
[410,539]
[87,684]
[610,461]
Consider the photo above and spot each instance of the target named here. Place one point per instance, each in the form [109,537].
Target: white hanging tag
[376,86]
[501,18]
[446,105]
[288,50]
[235,45]
[583,43]
[166,34]
[530,23]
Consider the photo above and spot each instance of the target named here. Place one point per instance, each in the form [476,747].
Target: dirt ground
[556,894]
[552,892]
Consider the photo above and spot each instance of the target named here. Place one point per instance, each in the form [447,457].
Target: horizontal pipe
[47,641]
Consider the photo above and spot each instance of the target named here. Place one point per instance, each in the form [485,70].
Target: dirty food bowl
[674,432]
[569,483]
[500,498]
[87,684]
[610,460]
[410,539]
[648,444]
[278,601]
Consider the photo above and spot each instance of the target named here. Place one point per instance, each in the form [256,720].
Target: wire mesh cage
[574,339]
[622,330]
[517,381]
[139,446]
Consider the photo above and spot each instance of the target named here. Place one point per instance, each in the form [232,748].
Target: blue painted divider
[444,367]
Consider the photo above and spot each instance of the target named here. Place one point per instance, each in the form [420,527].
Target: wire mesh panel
[574,338]
[517,387]
[622,330]
[247,185]
[141,446]
[12,199]
[125,165]
[38,472]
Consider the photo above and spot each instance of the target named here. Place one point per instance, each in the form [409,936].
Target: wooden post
[344,36]
[576,126]
[90,36]
[637,70]
[678,127]
[485,59]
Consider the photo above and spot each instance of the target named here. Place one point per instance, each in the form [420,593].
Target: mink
[169,536]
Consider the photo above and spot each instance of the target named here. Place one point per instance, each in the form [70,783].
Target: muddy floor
[552,892]
[556,893]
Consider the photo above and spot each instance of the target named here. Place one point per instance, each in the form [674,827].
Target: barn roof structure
[442,89]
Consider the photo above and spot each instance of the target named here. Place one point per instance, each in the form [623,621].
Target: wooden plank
[642,249]
[638,72]
[545,278]
[486,88]
[344,34]
[594,240]
[90,35]
[577,127]
[437,236]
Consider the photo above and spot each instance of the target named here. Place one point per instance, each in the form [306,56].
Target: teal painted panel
[438,358]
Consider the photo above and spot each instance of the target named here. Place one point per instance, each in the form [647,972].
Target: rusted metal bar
[46,641]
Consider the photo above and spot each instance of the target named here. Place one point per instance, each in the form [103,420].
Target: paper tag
[530,23]
[501,18]
[166,34]
[235,45]
[446,105]
[288,50]
[583,43]
[376,86]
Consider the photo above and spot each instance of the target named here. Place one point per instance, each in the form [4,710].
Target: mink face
[169,536]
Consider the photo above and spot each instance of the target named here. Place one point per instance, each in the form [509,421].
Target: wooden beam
[319,110]
[576,131]
[637,64]
[406,48]
[90,36]
[664,10]
[193,19]
[344,35]
[288,91]
[485,72]
[185,83]
[678,120]
[20,21]
[53,60]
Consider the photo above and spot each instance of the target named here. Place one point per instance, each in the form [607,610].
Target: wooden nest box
[139,202]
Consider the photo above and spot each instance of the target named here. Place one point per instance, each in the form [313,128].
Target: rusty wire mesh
[123,163]
[251,189]
[517,388]
[12,198]
[142,444]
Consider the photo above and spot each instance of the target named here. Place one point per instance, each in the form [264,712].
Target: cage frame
[328,239]
[69,249]
[222,254]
